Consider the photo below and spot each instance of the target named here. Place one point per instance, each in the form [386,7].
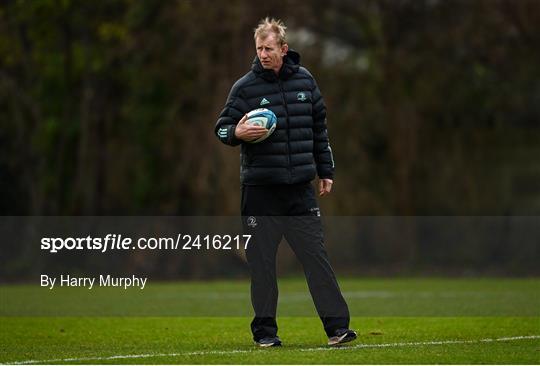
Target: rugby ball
[262,117]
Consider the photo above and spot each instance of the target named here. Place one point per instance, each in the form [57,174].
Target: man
[277,197]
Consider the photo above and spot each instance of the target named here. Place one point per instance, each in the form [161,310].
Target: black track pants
[268,214]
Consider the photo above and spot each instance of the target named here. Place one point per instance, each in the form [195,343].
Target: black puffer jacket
[298,149]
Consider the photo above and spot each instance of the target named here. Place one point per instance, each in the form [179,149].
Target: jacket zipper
[284,99]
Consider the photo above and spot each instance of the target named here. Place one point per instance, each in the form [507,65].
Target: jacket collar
[291,64]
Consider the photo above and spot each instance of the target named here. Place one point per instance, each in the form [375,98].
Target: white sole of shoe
[266,345]
[334,341]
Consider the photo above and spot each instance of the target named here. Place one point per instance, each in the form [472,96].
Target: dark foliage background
[108,107]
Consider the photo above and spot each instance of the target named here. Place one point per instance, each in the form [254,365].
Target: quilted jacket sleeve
[235,108]
[321,146]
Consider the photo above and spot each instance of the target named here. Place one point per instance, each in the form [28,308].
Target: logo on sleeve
[301,96]
[222,132]
[264,101]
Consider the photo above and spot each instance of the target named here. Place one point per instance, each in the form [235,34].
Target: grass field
[411,321]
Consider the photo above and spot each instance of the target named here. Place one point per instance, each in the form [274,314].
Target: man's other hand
[247,132]
[325,186]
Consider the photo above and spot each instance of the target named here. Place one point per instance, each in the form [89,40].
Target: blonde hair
[271,25]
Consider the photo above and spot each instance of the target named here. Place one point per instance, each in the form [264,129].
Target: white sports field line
[315,349]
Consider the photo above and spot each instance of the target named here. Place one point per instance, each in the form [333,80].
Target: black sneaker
[342,336]
[269,342]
